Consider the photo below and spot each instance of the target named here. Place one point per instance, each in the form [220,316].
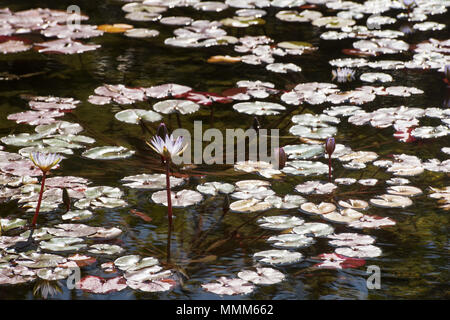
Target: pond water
[208,241]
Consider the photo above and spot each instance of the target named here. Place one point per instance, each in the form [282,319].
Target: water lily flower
[45,161]
[280,158]
[168,147]
[409,3]
[343,74]
[447,73]
[330,145]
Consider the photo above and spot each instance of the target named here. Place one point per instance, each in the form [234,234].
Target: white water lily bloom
[45,161]
[168,147]
[343,74]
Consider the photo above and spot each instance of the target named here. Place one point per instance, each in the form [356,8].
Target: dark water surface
[415,259]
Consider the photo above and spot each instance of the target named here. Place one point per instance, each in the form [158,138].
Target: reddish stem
[38,206]
[329,167]
[169,195]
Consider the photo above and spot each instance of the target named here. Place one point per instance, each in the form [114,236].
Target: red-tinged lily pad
[405,136]
[337,261]
[152,286]
[35,117]
[21,168]
[206,98]
[359,53]
[13,46]
[94,284]
[82,260]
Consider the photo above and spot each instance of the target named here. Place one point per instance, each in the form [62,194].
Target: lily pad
[279,222]
[258,108]
[181,198]
[278,257]
[262,276]
[171,106]
[136,115]
[108,153]
[316,228]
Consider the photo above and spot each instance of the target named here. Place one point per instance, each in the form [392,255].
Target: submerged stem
[38,206]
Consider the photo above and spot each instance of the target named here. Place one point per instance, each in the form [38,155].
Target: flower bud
[280,158]
[330,145]
[447,72]
[162,130]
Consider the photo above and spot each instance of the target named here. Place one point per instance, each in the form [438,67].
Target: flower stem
[38,206]
[169,208]
[329,168]
[169,194]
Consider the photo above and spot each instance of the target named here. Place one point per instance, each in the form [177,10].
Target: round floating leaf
[258,108]
[229,286]
[371,222]
[136,115]
[262,276]
[103,248]
[407,191]
[305,168]
[313,133]
[354,204]
[77,215]
[54,274]
[108,153]
[291,241]
[279,222]
[350,239]
[151,181]
[278,257]
[368,251]
[100,285]
[181,198]
[391,201]
[303,151]
[141,33]
[250,205]
[214,188]
[40,260]
[315,187]
[322,208]
[288,202]
[8,224]
[316,228]
[181,106]
[344,216]
[62,244]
